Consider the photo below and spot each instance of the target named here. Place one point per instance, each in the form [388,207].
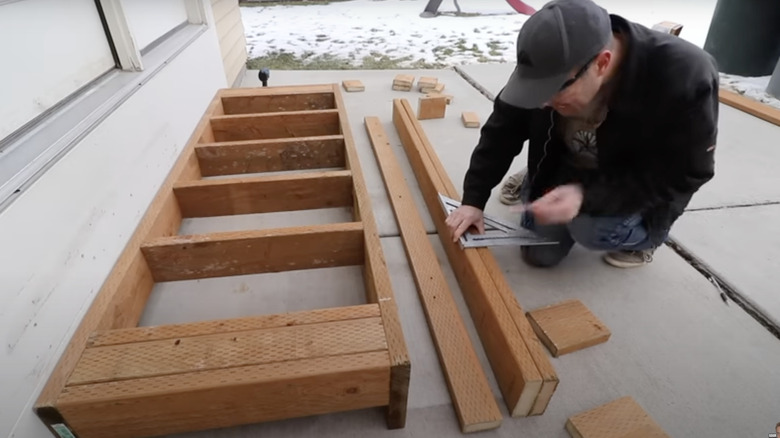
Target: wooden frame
[523,371]
[116,379]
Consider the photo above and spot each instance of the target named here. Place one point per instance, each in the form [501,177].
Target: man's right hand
[462,218]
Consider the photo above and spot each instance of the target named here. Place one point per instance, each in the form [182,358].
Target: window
[150,20]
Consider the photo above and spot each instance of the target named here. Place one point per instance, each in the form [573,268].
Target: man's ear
[603,60]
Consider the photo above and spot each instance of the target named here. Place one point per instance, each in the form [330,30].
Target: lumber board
[120,301]
[264,194]
[377,279]
[175,331]
[227,397]
[274,103]
[568,326]
[187,354]
[275,125]
[621,418]
[518,376]
[750,106]
[471,394]
[211,255]
[254,156]
[532,343]
[276,90]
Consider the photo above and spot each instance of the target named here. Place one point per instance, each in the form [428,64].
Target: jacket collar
[634,67]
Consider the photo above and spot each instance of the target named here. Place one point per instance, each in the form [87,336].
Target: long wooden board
[252,252]
[275,125]
[251,156]
[471,394]
[522,384]
[278,103]
[264,194]
[750,106]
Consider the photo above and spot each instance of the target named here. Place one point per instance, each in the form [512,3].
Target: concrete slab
[698,367]
[747,150]
[742,245]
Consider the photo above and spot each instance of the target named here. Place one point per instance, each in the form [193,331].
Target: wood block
[622,418]
[568,326]
[470,119]
[353,85]
[439,87]
[668,27]
[436,94]
[426,84]
[431,108]
[403,82]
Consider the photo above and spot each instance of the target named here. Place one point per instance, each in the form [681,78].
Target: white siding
[60,239]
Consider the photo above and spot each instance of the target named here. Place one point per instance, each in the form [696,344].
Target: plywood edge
[378,276]
[471,394]
[95,318]
[174,331]
[750,106]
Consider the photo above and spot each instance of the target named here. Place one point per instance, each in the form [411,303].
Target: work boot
[629,259]
[510,191]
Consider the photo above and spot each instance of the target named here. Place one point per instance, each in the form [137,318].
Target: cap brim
[531,93]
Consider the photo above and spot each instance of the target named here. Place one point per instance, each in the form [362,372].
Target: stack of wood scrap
[403,83]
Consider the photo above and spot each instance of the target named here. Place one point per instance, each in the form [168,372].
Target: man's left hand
[558,206]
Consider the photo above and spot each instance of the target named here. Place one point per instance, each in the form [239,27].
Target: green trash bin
[744,36]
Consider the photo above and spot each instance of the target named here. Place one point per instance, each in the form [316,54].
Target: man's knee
[597,233]
[543,256]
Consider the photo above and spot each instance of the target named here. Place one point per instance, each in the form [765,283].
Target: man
[621,122]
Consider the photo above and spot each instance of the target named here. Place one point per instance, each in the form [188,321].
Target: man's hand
[462,218]
[559,206]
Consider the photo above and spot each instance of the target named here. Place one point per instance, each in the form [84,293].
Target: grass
[281,60]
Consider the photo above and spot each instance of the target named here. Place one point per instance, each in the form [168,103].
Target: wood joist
[523,371]
[117,379]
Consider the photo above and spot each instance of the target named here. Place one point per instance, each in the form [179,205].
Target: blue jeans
[596,233]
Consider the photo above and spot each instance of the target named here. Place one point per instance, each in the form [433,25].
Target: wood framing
[116,379]
[471,394]
[524,373]
[750,106]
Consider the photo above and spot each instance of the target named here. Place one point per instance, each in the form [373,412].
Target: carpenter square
[497,233]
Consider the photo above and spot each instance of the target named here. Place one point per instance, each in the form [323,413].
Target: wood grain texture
[377,278]
[120,301]
[275,90]
[275,103]
[174,331]
[252,156]
[750,106]
[431,107]
[253,252]
[568,326]
[227,397]
[517,374]
[622,418]
[264,194]
[227,350]
[471,394]
[275,125]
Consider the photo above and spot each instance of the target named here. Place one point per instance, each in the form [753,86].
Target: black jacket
[655,148]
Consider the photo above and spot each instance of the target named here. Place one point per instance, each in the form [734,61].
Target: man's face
[582,87]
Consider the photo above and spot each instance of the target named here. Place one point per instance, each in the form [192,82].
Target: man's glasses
[579,74]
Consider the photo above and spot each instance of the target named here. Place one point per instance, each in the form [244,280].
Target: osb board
[622,418]
[568,326]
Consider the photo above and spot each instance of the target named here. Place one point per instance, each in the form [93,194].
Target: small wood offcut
[120,380]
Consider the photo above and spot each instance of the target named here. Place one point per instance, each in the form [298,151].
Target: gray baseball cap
[555,41]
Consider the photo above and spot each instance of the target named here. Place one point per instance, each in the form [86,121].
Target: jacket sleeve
[686,140]
[501,140]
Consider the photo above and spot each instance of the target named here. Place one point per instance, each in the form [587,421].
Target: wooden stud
[568,326]
[621,418]
[501,327]
[275,103]
[403,82]
[378,286]
[471,394]
[227,397]
[253,252]
[252,156]
[353,85]
[265,194]
[426,84]
[431,108]
[750,106]
[275,125]
[470,119]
